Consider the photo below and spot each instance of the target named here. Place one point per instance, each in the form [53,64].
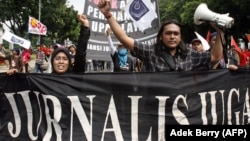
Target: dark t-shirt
[16,63]
[118,68]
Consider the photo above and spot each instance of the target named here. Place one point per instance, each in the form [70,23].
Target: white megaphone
[202,14]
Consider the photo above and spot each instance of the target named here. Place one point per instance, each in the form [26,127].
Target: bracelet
[107,16]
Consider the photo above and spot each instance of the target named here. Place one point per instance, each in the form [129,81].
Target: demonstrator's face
[197,46]
[171,36]
[61,63]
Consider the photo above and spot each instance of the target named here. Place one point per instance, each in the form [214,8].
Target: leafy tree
[183,10]
[60,20]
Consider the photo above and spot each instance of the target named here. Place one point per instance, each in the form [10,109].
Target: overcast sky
[78,5]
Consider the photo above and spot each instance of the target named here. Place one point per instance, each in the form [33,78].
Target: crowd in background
[41,54]
[170,53]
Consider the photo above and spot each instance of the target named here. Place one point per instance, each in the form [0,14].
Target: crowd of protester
[42,57]
[169,53]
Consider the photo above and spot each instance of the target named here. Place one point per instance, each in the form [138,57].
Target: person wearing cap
[72,51]
[197,45]
[16,62]
[119,56]
[61,58]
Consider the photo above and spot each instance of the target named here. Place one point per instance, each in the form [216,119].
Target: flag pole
[28,36]
[39,18]
[158,12]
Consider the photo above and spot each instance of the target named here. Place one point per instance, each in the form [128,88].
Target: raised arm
[80,57]
[217,48]
[105,6]
[111,45]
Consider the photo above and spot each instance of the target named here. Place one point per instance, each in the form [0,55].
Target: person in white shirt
[119,55]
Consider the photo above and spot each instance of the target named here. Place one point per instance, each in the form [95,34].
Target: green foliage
[59,19]
[183,10]
[170,9]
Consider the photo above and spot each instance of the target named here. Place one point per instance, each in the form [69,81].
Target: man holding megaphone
[203,14]
[169,53]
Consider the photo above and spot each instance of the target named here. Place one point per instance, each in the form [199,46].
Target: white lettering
[162,117]
[134,117]
[213,107]
[246,108]
[202,133]
[181,133]
[229,104]
[115,122]
[179,116]
[180,104]
[10,97]
[77,107]
[203,107]
[56,117]
[27,102]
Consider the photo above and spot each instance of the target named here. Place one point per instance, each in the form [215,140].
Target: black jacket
[81,50]
[116,63]
[80,57]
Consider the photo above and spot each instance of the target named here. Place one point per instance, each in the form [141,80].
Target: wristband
[108,15]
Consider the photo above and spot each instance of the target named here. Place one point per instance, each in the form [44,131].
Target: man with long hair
[169,53]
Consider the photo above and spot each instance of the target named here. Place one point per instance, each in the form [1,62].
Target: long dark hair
[159,46]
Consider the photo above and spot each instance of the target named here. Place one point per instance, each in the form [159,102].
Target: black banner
[125,106]
[98,47]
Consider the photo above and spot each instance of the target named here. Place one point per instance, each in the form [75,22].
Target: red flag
[242,55]
[45,50]
[36,27]
[248,37]
[208,36]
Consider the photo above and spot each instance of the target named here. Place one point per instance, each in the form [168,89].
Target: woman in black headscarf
[61,59]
